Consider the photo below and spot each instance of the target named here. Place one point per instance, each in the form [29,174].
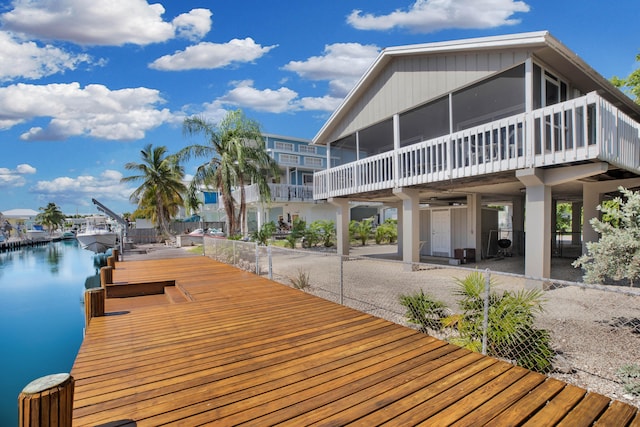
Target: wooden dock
[220,346]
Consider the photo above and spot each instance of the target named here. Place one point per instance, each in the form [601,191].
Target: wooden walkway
[226,347]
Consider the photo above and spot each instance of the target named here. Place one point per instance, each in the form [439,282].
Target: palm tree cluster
[235,154]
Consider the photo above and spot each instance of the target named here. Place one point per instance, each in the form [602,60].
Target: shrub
[301,280]
[511,333]
[423,310]
[361,230]
[263,235]
[616,255]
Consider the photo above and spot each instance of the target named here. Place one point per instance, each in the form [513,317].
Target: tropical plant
[297,231]
[325,230]
[236,155]
[51,217]
[510,330]
[425,311]
[265,232]
[616,255]
[361,230]
[511,333]
[386,232]
[159,196]
[301,280]
[631,83]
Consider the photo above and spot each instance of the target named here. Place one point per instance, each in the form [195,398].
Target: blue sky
[85,85]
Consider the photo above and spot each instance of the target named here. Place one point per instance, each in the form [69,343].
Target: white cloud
[78,189]
[28,60]
[272,101]
[95,111]
[208,55]
[15,177]
[342,65]
[26,169]
[426,16]
[193,25]
[102,22]
[281,100]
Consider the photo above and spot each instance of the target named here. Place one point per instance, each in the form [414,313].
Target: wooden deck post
[106,276]
[93,304]
[47,401]
[115,253]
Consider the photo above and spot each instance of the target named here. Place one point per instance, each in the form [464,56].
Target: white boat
[97,235]
[37,234]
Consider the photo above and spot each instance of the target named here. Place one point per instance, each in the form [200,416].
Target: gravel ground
[594,331]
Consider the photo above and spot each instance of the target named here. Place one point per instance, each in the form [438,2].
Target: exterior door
[440,233]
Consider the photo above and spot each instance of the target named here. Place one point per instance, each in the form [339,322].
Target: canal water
[41,315]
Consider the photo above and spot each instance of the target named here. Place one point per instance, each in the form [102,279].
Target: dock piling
[93,304]
[47,401]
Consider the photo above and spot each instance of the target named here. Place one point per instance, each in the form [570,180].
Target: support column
[517,226]
[260,216]
[538,231]
[343,215]
[554,227]
[576,223]
[474,224]
[410,224]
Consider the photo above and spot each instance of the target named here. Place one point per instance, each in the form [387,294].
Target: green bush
[263,235]
[424,311]
[360,230]
[511,333]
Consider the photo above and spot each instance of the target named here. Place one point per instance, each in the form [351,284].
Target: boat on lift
[97,234]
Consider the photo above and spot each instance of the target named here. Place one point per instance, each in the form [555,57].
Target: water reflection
[41,314]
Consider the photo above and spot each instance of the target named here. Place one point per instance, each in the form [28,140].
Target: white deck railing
[584,128]
[279,193]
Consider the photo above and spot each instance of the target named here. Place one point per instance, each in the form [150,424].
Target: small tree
[616,256]
[325,230]
[263,235]
[51,217]
[387,232]
[361,230]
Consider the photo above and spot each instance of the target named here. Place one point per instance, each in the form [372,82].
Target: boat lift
[117,218]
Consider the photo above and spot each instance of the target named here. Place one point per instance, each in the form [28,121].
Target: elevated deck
[240,349]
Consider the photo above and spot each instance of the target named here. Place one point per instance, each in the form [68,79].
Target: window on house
[284,146]
[313,161]
[425,122]
[489,100]
[307,149]
[376,139]
[289,159]
[343,151]
[307,179]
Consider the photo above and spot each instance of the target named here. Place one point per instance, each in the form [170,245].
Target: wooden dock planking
[242,349]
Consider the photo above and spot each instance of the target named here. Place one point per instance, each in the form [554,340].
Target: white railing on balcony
[584,128]
[279,193]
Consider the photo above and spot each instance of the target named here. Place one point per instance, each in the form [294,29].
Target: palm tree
[236,155]
[160,194]
[51,217]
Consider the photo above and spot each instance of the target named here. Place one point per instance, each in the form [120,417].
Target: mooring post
[93,304]
[47,401]
[106,276]
[115,253]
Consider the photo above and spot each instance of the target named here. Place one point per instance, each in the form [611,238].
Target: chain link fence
[587,335]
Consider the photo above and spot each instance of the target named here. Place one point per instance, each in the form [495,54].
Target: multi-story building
[443,130]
